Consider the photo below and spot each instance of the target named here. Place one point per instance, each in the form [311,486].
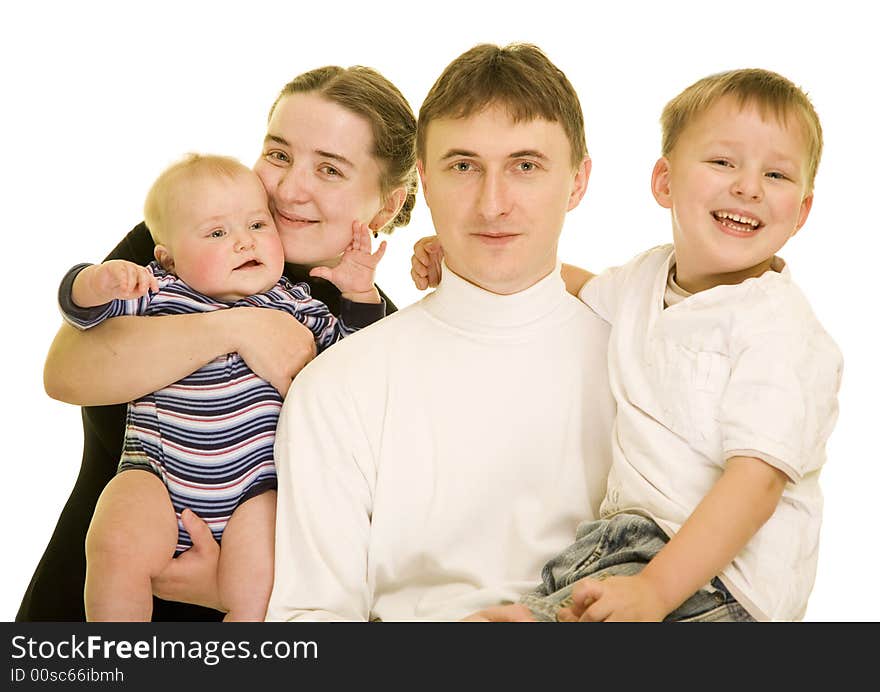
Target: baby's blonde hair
[190,166]
[772,93]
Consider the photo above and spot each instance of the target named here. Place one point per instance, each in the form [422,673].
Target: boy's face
[737,188]
[221,239]
[498,192]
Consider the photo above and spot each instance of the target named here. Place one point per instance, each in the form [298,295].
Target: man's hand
[506,613]
[426,271]
[356,271]
[112,280]
[275,345]
[615,599]
[192,577]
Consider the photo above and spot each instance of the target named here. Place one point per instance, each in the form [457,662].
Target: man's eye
[462,166]
[527,166]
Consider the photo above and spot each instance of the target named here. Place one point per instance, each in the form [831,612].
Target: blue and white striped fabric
[210,436]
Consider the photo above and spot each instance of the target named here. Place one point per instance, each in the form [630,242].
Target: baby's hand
[615,599]
[355,273]
[427,254]
[112,280]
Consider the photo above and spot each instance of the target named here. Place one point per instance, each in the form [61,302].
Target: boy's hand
[506,613]
[355,273]
[112,280]
[615,599]
[426,271]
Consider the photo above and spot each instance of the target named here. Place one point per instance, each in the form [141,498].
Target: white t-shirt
[742,370]
[429,465]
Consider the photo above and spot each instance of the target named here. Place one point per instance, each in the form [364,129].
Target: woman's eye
[279,156]
[331,171]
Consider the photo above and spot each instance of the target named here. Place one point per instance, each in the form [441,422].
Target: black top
[56,590]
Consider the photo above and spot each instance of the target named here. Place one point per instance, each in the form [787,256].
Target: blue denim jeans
[622,545]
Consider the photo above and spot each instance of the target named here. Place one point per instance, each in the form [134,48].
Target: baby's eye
[217,233]
[258,225]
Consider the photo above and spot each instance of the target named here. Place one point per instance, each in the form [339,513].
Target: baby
[205,442]
[725,382]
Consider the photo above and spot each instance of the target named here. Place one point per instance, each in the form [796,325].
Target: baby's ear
[164,258]
[660,183]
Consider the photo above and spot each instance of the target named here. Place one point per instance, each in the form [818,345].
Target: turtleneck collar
[463,305]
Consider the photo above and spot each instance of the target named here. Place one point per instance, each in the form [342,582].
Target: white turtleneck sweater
[430,464]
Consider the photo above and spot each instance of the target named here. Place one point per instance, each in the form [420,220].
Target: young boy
[725,382]
[205,442]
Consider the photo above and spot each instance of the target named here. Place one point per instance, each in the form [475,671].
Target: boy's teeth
[754,223]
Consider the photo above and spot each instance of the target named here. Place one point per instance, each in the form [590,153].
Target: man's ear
[389,210]
[164,258]
[660,183]
[581,178]
[420,167]
[806,205]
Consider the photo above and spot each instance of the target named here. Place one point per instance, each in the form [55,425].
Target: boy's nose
[749,187]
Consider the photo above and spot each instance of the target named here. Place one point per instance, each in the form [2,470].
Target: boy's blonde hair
[189,167]
[772,93]
[519,77]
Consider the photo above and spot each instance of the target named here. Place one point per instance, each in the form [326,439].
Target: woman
[339,147]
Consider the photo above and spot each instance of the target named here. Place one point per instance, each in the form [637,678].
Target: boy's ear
[581,178]
[660,183]
[806,205]
[164,258]
[389,210]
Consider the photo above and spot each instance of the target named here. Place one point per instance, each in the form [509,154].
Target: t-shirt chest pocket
[694,385]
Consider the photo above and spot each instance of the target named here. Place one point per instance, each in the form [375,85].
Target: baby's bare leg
[131,539]
[247,553]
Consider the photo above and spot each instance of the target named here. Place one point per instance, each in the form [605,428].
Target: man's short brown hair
[519,77]
[773,94]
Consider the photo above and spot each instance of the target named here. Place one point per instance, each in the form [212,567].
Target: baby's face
[222,238]
[737,187]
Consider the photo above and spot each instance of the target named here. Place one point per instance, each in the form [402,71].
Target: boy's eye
[721,162]
[776,175]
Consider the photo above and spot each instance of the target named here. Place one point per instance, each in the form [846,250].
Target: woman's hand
[426,271]
[275,345]
[192,577]
[356,271]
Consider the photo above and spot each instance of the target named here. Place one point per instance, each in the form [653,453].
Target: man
[429,465]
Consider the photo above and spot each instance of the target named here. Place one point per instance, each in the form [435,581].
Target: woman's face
[320,175]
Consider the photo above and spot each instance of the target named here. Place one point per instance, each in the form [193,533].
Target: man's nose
[494,199]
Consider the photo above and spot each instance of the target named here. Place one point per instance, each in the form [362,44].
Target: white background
[98,97]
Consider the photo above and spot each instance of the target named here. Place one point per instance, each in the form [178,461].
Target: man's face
[498,192]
